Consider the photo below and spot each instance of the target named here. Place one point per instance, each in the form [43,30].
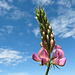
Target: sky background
[20,37]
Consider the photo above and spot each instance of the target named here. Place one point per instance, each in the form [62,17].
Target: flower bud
[43,34]
[47,38]
[42,44]
[42,38]
[48,32]
[44,28]
[36,18]
[37,15]
[51,42]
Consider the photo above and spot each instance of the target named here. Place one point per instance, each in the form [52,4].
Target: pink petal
[43,53]
[60,53]
[56,61]
[54,53]
[62,62]
[57,47]
[35,57]
[43,61]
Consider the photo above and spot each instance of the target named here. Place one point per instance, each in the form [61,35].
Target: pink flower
[58,56]
[41,57]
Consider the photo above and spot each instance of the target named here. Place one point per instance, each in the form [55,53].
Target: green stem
[47,69]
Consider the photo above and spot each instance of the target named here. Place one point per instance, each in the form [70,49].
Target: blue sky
[19,35]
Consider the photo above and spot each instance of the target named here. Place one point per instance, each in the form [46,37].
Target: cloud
[28,57]
[9,29]
[66,3]
[43,2]
[11,57]
[18,73]
[36,31]
[4,5]
[64,24]
[10,11]
[6,29]
[30,25]
[1,70]
[18,14]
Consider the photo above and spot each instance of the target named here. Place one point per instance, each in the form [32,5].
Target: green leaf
[57,67]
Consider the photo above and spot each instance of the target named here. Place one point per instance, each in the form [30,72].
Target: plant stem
[48,65]
[47,69]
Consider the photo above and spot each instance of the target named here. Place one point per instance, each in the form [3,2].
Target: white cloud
[28,57]
[8,56]
[6,29]
[64,24]
[1,70]
[43,2]
[66,3]
[9,29]
[36,31]
[30,25]
[17,14]
[11,57]
[12,12]
[4,5]
[18,73]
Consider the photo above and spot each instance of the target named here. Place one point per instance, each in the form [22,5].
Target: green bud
[48,32]
[44,29]
[53,37]
[37,15]
[42,39]
[47,26]
[48,39]
[39,7]
[44,34]
[36,9]
[36,18]
[41,26]
[48,22]
[45,43]
[45,17]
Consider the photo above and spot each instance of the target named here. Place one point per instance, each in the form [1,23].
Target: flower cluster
[42,56]
[57,56]
[47,44]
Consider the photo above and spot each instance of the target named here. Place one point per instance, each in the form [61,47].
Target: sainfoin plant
[47,44]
